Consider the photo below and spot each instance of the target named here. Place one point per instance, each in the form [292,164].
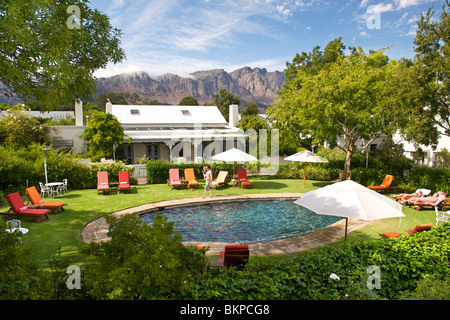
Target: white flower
[334,276]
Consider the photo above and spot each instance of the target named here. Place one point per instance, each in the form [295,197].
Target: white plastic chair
[63,187]
[441,216]
[13,225]
[45,190]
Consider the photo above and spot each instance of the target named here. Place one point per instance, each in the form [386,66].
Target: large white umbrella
[305,156]
[349,199]
[234,155]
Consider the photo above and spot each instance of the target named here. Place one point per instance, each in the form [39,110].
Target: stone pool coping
[97,230]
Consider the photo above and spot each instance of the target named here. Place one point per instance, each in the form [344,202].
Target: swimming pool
[242,221]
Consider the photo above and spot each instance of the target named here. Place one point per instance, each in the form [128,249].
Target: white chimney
[78,113]
[108,108]
[234,115]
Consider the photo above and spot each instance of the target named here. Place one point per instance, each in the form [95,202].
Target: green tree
[18,129]
[316,60]
[223,99]
[347,100]
[251,109]
[432,47]
[48,56]
[188,101]
[103,133]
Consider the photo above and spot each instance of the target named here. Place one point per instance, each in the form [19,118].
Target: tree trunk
[348,162]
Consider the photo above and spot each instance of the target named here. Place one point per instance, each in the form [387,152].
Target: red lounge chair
[124,181]
[36,199]
[420,228]
[102,182]
[242,177]
[385,185]
[174,178]
[18,208]
[236,256]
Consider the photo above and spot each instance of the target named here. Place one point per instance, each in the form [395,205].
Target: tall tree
[50,49]
[103,133]
[432,47]
[346,100]
[223,99]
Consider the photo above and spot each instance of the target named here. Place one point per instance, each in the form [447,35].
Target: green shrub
[22,167]
[20,277]
[435,179]
[141,262]
[403,263]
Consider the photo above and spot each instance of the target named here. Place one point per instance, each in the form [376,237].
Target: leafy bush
[20,278]
[19,167]
[403,263]
[141,262]
[435,179]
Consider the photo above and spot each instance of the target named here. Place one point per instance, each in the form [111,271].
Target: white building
[166,132]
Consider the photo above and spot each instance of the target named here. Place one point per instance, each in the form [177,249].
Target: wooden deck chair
[36,199]
[242,177]
[174,178]
[102,182]
[190,177]
[220,180]
[385,185]
[236,256]
[18,208]
[441,202]
[124,181]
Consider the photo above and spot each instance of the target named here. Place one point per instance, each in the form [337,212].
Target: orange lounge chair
[220,180]
[242,177]
[102,182]
[190,177]
[36,199]
[418,228]
[236,256]
[18,208]
[385,185]
[124,181]
[174,178]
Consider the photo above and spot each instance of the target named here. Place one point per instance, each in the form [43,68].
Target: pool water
[239,221]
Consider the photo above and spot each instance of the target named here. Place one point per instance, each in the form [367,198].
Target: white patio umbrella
[305,156]
[349,199]
[234,155]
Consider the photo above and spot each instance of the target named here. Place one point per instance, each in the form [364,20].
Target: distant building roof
[150,115]
[56,115]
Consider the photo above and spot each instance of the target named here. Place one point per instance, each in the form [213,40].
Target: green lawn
[86,205]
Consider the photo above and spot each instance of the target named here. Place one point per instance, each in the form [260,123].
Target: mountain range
[255,84]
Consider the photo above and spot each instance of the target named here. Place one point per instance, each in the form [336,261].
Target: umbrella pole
[346,225]
[304,177]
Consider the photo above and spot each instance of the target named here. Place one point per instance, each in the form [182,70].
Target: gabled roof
[167,115]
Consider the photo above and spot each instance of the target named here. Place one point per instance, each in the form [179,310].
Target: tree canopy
[432,47]
[50,49]
[346,101]
[103,133]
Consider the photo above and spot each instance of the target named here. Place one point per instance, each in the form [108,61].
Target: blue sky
[184,36]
